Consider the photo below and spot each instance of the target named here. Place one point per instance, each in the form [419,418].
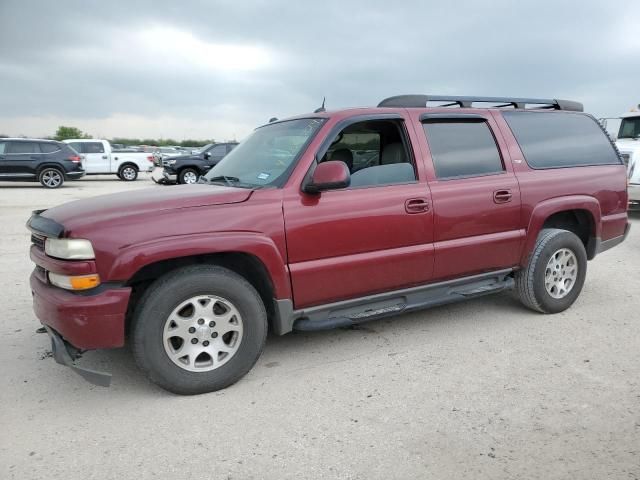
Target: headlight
[69,248]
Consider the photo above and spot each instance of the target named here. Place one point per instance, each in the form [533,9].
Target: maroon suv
[329,219]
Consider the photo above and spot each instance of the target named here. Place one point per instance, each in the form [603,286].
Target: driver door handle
[416,205]
[502,196]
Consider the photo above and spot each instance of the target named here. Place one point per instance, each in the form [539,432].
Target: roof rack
[421,101]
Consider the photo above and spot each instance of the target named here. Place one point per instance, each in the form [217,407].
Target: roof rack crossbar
[420,101]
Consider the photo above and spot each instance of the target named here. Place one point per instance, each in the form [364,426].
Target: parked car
[187,169]
[45,161]
[285,233]
[165,152]
[100,158]
[628,142]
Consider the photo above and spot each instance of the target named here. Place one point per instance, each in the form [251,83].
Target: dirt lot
[483,389]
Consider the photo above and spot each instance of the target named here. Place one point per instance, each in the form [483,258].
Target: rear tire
[128,173]
[188,176]
[51,177]
[555,273]
[186,356]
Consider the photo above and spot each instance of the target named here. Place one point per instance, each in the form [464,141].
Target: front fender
[545,209]
[135,257]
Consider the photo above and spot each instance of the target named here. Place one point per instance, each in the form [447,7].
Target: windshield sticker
[263,176]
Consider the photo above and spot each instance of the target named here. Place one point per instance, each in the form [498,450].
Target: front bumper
[65,354]
[160,175]
[634,196]
[87,321]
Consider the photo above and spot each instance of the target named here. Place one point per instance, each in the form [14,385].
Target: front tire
[555,274]
[199,329]
[188,176]
[128,173]
[51,177]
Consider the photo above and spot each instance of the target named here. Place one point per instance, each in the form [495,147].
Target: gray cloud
[111,66]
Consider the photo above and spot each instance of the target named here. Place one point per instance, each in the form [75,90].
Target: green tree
[65,133]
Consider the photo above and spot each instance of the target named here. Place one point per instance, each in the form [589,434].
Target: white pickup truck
[628,142]
[100,158]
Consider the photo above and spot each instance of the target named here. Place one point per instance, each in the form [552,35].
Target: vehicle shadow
[285,351]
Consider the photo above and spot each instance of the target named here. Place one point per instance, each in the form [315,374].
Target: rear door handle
[502,196]
[416,205]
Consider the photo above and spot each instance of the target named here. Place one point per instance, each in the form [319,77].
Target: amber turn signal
[75,282]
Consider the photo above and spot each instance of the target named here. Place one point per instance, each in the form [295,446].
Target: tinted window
[462,149]
[23,147]
[93,147]
[218,150]
[552,140]
[629,128]
[77,146]
[49,147]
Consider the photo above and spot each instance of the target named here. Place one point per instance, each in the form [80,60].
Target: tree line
[64,133]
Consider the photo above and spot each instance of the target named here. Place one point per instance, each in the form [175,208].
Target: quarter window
[557,139]
[462,149]
[49,147]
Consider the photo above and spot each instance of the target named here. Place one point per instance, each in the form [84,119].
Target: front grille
[38,241]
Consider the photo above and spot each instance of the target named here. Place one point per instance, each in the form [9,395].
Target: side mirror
[330,175]
[207,155]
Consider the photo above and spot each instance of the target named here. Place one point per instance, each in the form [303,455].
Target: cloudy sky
[217,69]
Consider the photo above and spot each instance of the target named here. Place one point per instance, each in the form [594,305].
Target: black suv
[47,161]
[188,168]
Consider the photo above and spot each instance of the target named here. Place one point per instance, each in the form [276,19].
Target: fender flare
[133,258]
[546,208]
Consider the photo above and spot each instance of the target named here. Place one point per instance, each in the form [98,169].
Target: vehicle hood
[148,201]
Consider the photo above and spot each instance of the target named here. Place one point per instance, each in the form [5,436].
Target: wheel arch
[247,265]
[128,163]
[55,165]
[579,214]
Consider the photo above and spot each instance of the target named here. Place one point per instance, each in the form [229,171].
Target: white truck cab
[628,143]
[99,159]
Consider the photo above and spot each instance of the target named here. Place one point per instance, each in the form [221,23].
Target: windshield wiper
[228,180]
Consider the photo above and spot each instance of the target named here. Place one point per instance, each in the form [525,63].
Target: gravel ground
[483,389]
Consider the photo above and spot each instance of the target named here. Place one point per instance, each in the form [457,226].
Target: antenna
[321,109]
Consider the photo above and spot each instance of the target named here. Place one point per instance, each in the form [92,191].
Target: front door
[96,160]
[372,237]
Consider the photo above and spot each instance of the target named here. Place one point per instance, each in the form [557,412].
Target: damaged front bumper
[65,354]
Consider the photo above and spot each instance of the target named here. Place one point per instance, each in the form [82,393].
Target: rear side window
[77,146]
[49,147]
[556,140]
[22,147]
[462,149]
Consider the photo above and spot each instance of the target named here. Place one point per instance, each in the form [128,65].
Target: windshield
[629,128]
[267,156]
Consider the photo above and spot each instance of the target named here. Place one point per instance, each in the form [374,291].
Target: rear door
[476,196]
[20,159]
